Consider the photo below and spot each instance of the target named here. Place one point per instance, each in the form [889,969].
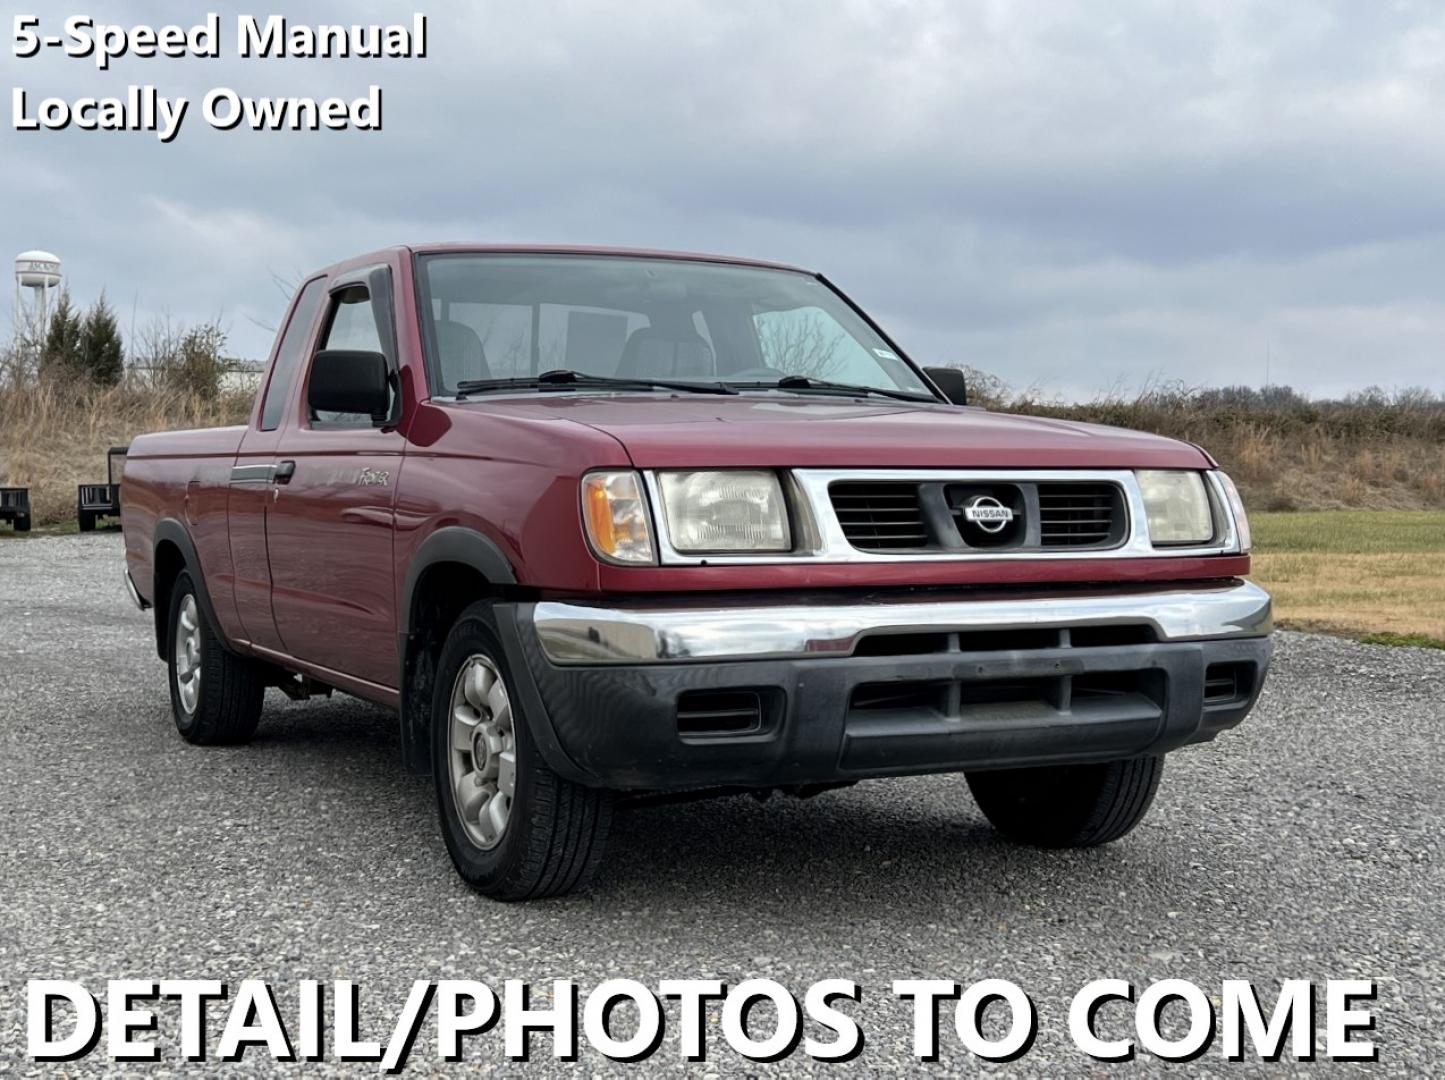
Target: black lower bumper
[974,704]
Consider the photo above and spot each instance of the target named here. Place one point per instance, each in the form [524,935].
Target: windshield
[516,316]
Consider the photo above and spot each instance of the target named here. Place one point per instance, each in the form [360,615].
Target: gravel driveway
[1307,844]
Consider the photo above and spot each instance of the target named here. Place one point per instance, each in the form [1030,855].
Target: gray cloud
[1073,196]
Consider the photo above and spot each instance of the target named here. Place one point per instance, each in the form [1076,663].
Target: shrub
[186,361]
[100,353]
[60,353]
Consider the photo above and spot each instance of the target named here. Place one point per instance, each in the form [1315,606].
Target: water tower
[38,272]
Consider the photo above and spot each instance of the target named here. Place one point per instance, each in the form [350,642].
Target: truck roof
[466,247]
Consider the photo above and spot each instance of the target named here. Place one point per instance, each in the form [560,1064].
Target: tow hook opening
[1225,684]
[712,714]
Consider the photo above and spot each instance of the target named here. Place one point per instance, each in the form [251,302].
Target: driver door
[332,525]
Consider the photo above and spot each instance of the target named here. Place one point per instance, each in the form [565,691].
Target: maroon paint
[309,572]
[787,430]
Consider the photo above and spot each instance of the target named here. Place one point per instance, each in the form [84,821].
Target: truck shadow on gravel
[895,842]
[909,843]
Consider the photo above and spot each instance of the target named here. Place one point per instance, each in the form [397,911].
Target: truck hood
[785,430]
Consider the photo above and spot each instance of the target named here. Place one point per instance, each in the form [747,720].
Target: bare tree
[802,342]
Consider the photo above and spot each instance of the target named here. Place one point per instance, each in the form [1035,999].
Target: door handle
[283,472]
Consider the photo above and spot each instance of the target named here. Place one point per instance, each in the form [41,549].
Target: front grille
[1017,639]
[900,697]
[1046,688]
[880,516]
[95,494]
[928,516]
[1022,699]
[1080,515]
[13,498]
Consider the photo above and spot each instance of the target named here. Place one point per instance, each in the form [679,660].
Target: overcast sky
[1077,197]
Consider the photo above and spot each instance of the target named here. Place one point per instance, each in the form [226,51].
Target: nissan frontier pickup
[601,525]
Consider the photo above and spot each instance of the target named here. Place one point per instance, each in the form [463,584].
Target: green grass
[56,528]
[64,528]
[1350,532]
[1413,641]
[1374,575]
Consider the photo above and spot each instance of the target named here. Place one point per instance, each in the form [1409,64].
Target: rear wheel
[216,696]
[515,829]
[1067,806]
[22,523]
[87,521]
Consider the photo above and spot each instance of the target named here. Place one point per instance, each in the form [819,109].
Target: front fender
[451,544]
[454,544]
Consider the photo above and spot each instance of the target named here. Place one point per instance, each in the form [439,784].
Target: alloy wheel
[188,654]
[482,754]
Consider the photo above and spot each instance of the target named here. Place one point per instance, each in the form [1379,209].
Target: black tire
[22,523]
[1068,806]
[87,521]
[230,690]
[556,830]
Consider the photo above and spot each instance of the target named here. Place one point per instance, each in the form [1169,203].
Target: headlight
[1236,508]
[615,511]
[1177,506]
[713,512]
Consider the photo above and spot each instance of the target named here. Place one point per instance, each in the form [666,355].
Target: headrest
[656,354]
[462,356]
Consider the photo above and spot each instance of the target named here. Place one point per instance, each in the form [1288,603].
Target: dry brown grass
[1359,595]
[1370,574]
[55,435]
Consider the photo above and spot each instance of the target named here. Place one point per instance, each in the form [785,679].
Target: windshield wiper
[567,379]
[805,384]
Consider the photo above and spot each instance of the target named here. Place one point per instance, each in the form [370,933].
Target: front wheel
[1068,806]
[216,696]
[515,829]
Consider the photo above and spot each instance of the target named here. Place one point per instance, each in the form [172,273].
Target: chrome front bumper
[645,632]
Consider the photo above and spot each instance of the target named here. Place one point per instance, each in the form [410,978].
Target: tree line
[85,348]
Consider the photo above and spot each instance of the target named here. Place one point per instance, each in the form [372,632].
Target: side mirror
[346,381]
[951,381]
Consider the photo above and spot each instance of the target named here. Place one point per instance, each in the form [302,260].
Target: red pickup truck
[601,524]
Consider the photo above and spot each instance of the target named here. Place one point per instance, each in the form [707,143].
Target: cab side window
[351,324]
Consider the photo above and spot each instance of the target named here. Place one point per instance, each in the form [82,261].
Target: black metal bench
[94,502]
[15,507]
